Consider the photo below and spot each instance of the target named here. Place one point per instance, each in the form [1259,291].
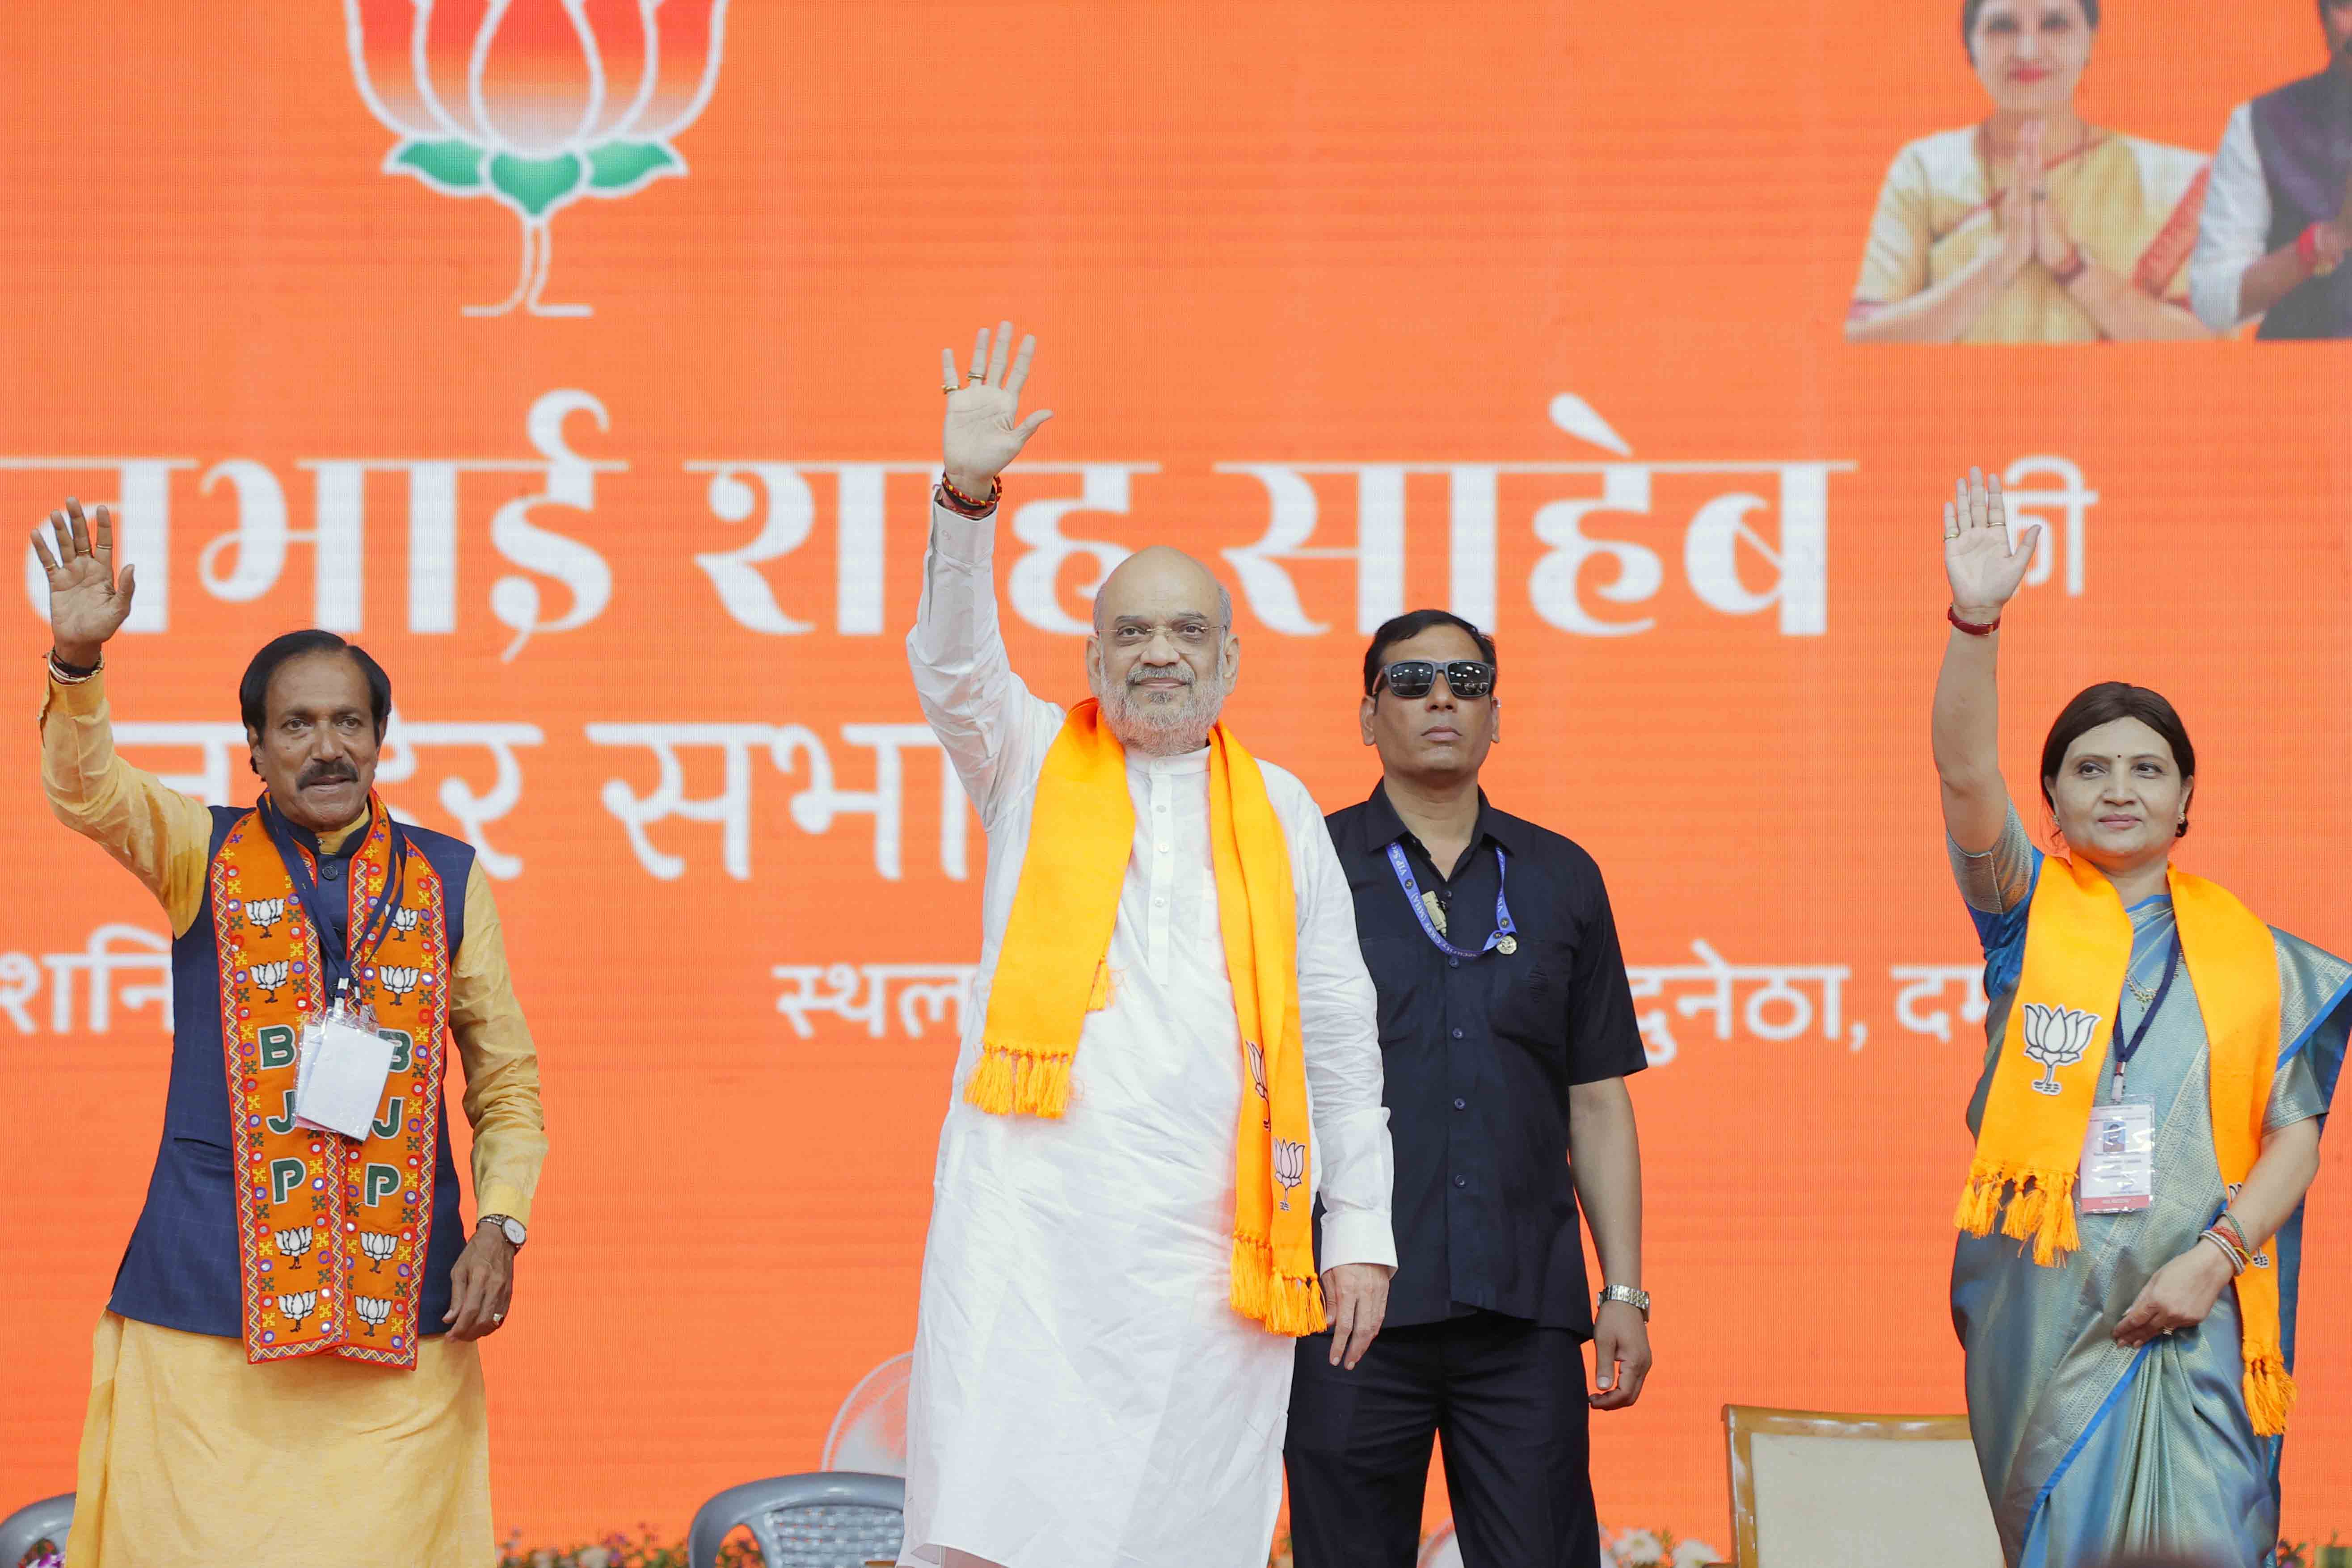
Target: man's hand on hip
[1620,1355]
[1355,1298]
[481,1287]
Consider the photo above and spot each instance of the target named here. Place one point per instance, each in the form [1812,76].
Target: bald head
[1163,656]
[1158,582]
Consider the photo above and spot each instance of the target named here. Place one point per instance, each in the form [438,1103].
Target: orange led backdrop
[600,405]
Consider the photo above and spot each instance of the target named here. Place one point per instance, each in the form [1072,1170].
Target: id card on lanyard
[341,1062]
[1504,940]
[2118,1169]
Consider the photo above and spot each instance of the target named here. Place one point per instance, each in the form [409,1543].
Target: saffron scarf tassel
[1285,1304]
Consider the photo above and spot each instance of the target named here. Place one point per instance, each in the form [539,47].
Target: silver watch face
[513,1229]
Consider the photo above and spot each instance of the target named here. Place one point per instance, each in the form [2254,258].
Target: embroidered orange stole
[331,1233]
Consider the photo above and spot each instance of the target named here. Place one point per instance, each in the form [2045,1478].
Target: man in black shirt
[1507,1031]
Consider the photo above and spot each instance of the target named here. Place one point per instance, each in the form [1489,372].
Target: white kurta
[1083,1395]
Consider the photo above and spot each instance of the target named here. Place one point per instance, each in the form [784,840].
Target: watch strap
[1637,1300]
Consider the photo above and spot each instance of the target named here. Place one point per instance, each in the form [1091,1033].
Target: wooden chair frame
[1742,1423]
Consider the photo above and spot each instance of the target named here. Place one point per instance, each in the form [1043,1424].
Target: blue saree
[2089,1448]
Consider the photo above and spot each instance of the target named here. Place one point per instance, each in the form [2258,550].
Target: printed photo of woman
[2032,225]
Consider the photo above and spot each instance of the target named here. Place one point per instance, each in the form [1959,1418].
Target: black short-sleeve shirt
[1479,1054]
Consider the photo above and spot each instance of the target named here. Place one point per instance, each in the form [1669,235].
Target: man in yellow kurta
[286,1374]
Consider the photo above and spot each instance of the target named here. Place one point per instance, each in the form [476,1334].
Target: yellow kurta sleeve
[160,836]
[501,1064]
[1895,258]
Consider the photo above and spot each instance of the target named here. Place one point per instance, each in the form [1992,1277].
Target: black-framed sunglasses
[1411,678]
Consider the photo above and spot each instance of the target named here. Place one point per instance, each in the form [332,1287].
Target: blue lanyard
[2126,1050]
[1505,937]
[338,957]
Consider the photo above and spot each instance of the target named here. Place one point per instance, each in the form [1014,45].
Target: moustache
[1142,673]
[327,773]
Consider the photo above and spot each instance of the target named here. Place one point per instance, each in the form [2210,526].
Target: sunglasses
[1411,678]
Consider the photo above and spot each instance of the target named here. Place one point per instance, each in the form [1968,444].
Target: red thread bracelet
[2307,247]
[958,501]
[1952,614]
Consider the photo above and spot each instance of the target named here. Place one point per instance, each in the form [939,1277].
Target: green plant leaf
[536,185]
[446,166]
[618,167]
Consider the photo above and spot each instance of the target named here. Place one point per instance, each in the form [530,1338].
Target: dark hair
[2103,703]
[1404,628]
[1972,9]
[253,692]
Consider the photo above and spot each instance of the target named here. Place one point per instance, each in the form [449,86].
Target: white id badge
[339,1073]
[2118,1174]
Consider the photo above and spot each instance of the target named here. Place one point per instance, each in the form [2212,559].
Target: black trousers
[1506,1398]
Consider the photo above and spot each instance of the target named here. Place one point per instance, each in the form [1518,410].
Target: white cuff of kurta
[969,542]
[1357,1235]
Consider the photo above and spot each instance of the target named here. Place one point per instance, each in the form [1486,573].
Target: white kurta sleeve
[1339,1017]
[988,722]
[2235,230]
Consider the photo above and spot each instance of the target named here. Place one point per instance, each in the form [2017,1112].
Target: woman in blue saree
[2129,1358]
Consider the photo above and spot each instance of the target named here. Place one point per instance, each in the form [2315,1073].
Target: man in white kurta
[1085,1395]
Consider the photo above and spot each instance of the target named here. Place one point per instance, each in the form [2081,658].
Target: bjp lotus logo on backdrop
[535,103]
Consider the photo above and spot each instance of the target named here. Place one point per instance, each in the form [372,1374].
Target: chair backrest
[870,1430]
[840,1518]
[47,1519]
[1812,1488]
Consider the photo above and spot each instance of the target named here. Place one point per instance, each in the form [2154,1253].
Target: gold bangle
[58,672]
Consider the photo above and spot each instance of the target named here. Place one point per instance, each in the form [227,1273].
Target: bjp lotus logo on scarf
[535,103]
[2056,1037]
[1290,1165]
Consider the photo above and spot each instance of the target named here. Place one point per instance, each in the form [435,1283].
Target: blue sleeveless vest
[2304,133]
[180,1270]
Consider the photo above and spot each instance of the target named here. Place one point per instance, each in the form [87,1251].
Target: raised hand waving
[980,436]
[1983,568]
[86,601]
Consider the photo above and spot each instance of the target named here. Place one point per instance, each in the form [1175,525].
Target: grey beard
[1169,730]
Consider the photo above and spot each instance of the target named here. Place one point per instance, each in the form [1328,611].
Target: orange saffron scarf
[1054,969]
[2078,942]
[331,1233]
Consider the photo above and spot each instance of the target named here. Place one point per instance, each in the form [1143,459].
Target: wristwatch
[1637,1300]
[509,1228]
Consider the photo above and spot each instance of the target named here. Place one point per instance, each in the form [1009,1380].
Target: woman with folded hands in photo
[2032,226]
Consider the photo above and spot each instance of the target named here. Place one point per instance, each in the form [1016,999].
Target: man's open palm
[980,436]
[87,604]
